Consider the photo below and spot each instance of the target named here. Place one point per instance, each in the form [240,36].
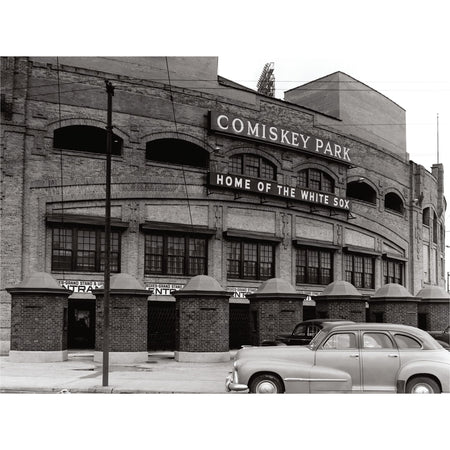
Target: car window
[376,340]
[340,341]
[312,330]
[403,341]
[299,330]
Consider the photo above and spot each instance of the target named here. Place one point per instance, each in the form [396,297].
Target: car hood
[282,352]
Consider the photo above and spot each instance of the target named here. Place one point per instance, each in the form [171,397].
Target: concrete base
[202,357]
[122,357]
[4,347]
[37,356]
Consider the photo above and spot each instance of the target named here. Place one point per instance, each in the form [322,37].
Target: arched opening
[426,217]
[393,202]
[85,138]
[316,180]
[359,190]
[253,166]
[177,151]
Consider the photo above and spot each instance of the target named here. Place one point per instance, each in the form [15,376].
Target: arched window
[315,180]
[393,202]
[85,138]
[359,190]
[426,217]
[253,166]
[177,151]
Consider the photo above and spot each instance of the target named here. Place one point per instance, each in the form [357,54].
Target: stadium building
[208,177]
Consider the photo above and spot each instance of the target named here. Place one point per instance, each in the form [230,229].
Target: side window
[376,340]
[340,341]
[300,330]
[312,330]
[403,341]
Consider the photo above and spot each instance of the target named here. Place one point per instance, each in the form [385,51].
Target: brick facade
[354,310]
[395,311]
[40,180]
[127,322]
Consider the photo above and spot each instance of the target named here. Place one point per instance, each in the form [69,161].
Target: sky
[398,47]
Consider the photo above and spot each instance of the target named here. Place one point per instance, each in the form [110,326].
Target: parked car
[442,337]
[303,332]
[358,357]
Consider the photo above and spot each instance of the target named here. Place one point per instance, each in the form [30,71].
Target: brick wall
[354,310]
[271,317]
[438,315]
[202,324]
[395,312]
[38,322]
[127,323]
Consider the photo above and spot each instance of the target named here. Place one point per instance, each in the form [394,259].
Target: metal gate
[239,325]
[161,326]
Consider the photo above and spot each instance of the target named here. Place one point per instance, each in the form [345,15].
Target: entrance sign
[289,138]
[81,286]
[242,183]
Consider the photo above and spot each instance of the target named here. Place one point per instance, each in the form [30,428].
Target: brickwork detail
[271,317]
[404,313]
[202,324]
[38,322]
[437,314]
[127,323]
[354,310]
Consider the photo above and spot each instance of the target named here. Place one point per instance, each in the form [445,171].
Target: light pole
[107,273]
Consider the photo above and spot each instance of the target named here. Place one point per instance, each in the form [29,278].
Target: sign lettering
[241,183]
[250,129]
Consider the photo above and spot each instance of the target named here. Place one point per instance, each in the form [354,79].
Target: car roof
[306,322]
[426,338]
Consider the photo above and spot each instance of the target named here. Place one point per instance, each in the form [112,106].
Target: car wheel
[266,384]
[422,385]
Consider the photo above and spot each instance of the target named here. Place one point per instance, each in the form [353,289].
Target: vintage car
[347,358]
[303,332]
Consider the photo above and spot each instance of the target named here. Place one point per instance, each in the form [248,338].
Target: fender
[440,370]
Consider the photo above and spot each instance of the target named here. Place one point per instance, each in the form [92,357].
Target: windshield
[316,340]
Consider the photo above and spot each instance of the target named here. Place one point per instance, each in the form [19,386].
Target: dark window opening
[85,138]
[359,270]
[315,180]
[253,166]
[177,151]
[314,266]
[426,217]
[393,202]
[393,271]
[175,254]
[359,190]
[250,260]
[79,249]
[435,228]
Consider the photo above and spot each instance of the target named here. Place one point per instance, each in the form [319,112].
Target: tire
[422,385]
[266,384]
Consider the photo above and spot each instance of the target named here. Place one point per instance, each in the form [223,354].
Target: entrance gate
[81,324]
[161,326]
[239,325]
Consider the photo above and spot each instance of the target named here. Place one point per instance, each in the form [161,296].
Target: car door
[337,364]
[380,362]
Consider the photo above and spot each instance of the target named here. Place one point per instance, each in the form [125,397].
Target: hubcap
[266,387]
[422,388]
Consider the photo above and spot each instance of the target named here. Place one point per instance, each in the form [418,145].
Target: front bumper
[231,384]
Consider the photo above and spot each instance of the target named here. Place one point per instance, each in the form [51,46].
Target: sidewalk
[80,374]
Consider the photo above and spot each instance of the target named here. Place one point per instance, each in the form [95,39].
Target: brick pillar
[275,308]
[202,321]
[127,321]
[341,300]
[435,305]
[38,320]
[392,303]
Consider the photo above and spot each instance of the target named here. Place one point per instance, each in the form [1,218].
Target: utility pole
[107,273]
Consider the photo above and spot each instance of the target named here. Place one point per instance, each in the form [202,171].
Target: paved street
[160,374]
